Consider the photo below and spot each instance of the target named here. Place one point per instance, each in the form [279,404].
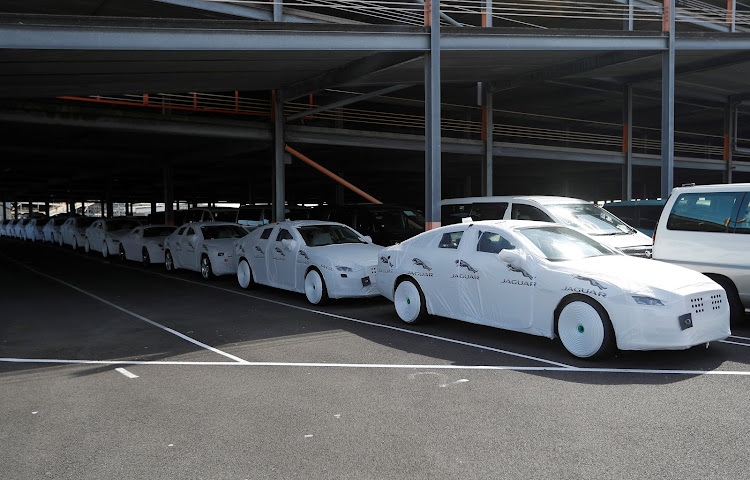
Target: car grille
[643,252]
[699,304]
[373,271]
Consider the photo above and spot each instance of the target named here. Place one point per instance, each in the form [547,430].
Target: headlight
[344,269]
[654,302]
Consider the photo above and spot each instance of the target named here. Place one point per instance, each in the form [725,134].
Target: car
[639,214]
[320,259]
[707,229]
[210,214]
[252,216]
[550,280]
[205,247]
[385,224]
[145,244]
[5,227]
[72,231]
[51,230]
[104,234]
[580,214]
[34,229]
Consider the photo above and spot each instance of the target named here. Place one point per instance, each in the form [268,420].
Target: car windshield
[213,232]
[225,216]
[391,219]
[158,231]
[320,235]
[114,225]
[590,218]
[558,244]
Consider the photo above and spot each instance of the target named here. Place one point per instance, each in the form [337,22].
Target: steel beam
[346,73]
[252,12]
[347,101]
[433,192]
[667,104]
[478,40]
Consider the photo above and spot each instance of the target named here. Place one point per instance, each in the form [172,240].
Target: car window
[284,234]
[321,235]
[182,230]
[225,216]
[157,231]
[743,217]
[492,242]
[704,212]
[562,243]
[521,211]
[451,239]
[589,218]
[489,211]
[266,233]
[211,232]
[190,232]
[450,214]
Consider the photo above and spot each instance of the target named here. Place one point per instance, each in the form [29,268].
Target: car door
[435,268]
[492,292]
[257,253]
[189,248]
[281,260]
[94,235]
[131,244]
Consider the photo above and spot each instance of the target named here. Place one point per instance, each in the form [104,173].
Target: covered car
[51,230]
[104,234]
[6,230]
[145,244]
[205,247]
[550,280]
[35,229]
[73,231]
[320,259]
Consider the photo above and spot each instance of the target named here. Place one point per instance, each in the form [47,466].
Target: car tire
[145,258]
[315,288]
[60,241]
[584,328]
[206,272]
[169,262]
[74,244]
[86,246]
[245,275]
[105,249]
[121,254]
[736,309]
[409,302]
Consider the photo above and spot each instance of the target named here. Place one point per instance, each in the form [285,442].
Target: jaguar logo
[521,271]
[304,254]
[593,282]
[462,263]
[386,260]
[419,262]
[278,250]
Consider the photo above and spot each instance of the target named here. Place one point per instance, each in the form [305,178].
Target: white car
[9,227]
[34,229]
[72,232]
[145,244]
[104,234]
[51,231]
[3,225]
[20,228]
[204,247]
[553,281]
[320,259]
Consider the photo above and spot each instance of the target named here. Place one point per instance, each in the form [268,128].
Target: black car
[386,224]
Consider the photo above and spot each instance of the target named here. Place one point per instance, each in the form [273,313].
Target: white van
[706,228]
[573,212]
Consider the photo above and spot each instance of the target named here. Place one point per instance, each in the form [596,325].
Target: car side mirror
[367,238]
[513,257]
[289,244]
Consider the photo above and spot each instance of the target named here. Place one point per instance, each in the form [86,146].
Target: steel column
[729,139]
[168,194]
[5,208]
[279,142]
[667,101]
[278,10]
[433,192]
[488,137]
[627,143]
[15,210]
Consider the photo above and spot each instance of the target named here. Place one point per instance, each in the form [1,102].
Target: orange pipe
[332,175]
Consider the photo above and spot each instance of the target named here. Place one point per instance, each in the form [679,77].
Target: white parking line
[395,367]
[132,314]
[734,343]
[126,373]
[739,338]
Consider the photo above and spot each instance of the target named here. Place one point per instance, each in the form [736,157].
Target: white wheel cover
[407,301]
[243,274]
[581,329]
[314,287]
[105,250]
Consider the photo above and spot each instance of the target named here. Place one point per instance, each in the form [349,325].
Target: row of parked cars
[542,276]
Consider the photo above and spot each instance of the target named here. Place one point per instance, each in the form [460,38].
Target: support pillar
[278,10]
[627,143]
[667,101]
[488,138]
[433,162]
[168,194]
[46,207]
[279,142]
[153,209]
[5,208]
[729,139]
[628,23]
[15,210]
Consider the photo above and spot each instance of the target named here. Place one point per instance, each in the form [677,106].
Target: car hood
[348,254]
[639,275]
[636,239]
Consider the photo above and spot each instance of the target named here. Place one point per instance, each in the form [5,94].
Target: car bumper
[358,283]
[694,319]
[223,265]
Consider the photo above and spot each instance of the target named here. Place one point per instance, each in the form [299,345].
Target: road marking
[132,314]
[734,343]
[394,367]
[126,373]
[739,338]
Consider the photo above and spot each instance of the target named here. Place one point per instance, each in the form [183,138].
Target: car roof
[540,199]
[725,187]
[630,203]
[509,224]
[302,223]
[203,224]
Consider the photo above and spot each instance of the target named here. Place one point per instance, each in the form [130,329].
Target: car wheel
[168,261]
[736,309]
[245,275]
[315,288]
[121,254]
[145,258]
[86,246]
[585,329]
[105,250]
[75,244]
[206,268]
[409,302]
[60,241]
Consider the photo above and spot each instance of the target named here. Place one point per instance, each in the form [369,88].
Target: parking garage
[111,370]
